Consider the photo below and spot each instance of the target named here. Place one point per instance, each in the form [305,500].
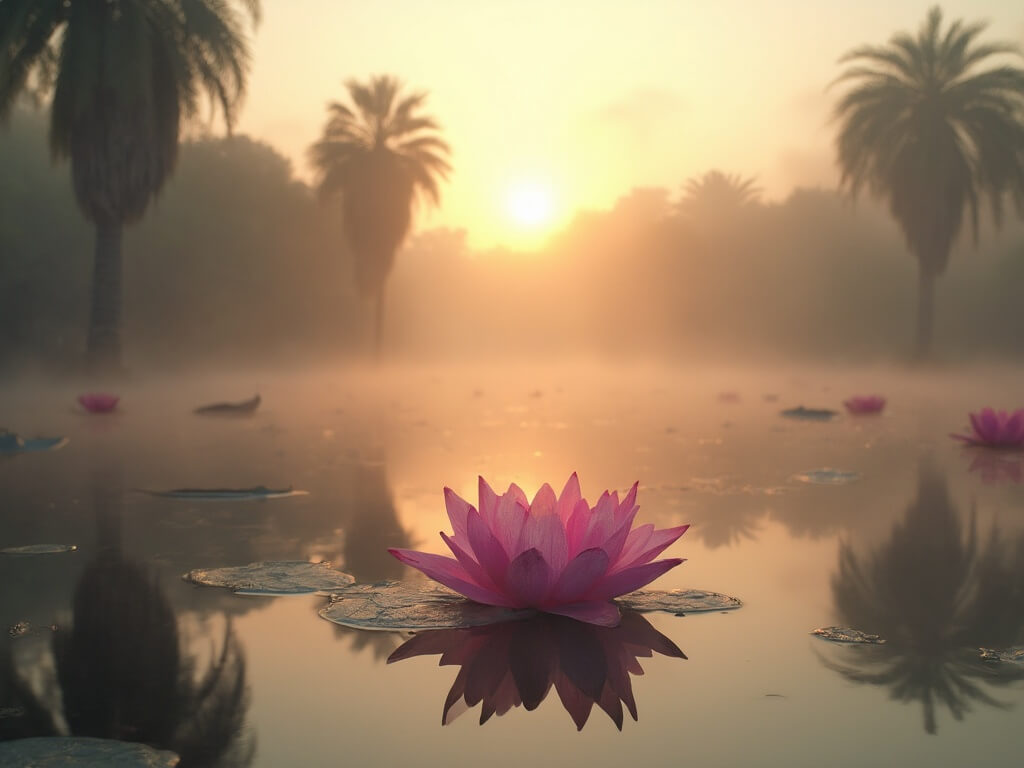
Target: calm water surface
[926,548]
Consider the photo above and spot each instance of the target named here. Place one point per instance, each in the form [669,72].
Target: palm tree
[124,76]
[929,131]
[380,154]
[716,194]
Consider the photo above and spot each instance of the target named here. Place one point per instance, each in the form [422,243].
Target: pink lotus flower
[996,429]
[861,404]
[517,663]
[98,402]
[554,555]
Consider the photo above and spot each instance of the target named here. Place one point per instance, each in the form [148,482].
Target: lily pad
[395,606]
[400,606]
[809,414]
[228,494]
[58,752]
[1013,654]
[846,635]
[677,601]
[39,549]
[273,578]
[827,476]
[12,443]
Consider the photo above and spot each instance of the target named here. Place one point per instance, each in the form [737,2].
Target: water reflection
[936,593]
[516,663]
[120,672]
[996,467]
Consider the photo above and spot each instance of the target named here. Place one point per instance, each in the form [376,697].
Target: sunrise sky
[551,107]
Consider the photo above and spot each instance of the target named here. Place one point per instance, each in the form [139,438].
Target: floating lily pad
[228,494]
[1013,654]
[809,414]
[12,443]
[395,606]
[243,408]
[845,635]
[827,476]
[677,601]
[39,549]
[273,578]
[58,752]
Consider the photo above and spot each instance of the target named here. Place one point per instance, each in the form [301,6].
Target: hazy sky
[584,99]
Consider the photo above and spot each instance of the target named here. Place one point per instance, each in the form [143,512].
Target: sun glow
[530,204]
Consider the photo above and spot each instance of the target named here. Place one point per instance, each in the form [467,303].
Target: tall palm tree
[381,154]
[926,128]
[124,75]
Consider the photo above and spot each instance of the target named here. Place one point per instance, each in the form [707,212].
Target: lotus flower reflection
[864,404]
[996,429]
[516,663]
[556,555]
[98,402]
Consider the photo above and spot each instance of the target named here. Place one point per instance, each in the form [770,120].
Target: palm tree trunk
[378,331]
[925,312]
[103,345]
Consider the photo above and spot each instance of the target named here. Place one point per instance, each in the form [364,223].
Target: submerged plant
[556,555]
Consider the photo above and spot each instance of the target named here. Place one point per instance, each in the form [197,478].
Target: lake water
[917,539]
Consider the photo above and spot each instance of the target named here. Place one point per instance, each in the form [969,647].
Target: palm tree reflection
[516,663]
[936,594]
[120,668]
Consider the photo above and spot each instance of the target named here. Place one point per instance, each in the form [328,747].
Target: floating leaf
[396,605]
[243,408]
[677,601]
[58,752]
[11,443]
[845,635]
[809,414]
[1013,654]
[827,476]
[227,494]
[39,549]
[272,578]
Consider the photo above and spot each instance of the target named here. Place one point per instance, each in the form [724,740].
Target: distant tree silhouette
[717,194]
[124,76]
[925,129]
[380,154]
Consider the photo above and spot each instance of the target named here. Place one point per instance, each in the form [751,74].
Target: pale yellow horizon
[584,99]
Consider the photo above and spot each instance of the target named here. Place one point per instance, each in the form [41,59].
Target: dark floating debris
[677,601]
[20,629]
[39,549]
[273,578]
[396,606]
[11,443]
[403,606]
[845,635]
[809,414]
[1013,655]
[227,494]
[60,751]
[827,476]
[243,408]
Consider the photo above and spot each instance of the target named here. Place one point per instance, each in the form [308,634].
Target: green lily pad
[846,635]
[39,549]
[273,578]
[677,601]
[61,752]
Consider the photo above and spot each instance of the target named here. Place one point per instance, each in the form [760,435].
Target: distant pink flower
[556,555]
[98,402]
[996,429]
[861,404]
[517,663]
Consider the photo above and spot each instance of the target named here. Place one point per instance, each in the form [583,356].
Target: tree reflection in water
[120,669]
[936,594]
[516,663]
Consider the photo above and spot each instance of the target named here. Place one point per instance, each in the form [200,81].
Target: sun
[530,204]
